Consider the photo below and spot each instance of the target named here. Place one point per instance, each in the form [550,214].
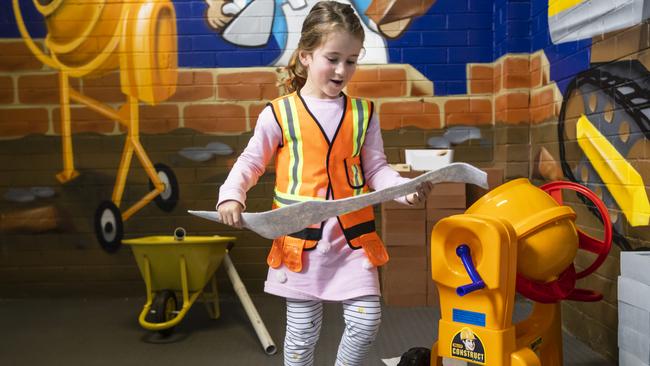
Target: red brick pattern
[23,121]
[520,89]
[6,90]
[543,104]
[156,119]
[514,100]
[481,79]
[15,56]
[83,119]
[378,83]
[248,85]
[481,72]
[512,116]
[497,81]
[216,118]
[511,90]
[254,110]
[468,111]
[535,71]
[194,86]
[394,115]
[106,89]
[512,107]
[41,88]
[516,72]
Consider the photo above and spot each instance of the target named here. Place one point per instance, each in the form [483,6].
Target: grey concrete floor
[106,332]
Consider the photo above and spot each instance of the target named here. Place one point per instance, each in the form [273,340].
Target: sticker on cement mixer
[468,346]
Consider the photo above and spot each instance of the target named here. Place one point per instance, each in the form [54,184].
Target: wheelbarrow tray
[202,255]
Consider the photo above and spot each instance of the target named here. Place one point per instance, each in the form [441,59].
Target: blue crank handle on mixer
[465,255]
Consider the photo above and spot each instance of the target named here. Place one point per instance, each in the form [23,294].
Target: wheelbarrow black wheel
[168,198]
[163,309]
[416,356]
[109,228]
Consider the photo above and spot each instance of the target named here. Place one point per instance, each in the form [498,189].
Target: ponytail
[297,73]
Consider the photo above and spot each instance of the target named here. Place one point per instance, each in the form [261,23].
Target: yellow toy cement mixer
[515,238]
[90,38]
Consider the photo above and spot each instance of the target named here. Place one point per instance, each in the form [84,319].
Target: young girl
[328,146]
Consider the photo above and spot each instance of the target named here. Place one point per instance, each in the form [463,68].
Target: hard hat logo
[468,346]
[467,333]
[467,336]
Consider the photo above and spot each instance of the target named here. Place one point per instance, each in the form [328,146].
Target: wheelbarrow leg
[211,299]
[249,307]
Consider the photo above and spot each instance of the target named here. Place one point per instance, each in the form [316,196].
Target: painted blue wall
[439,44]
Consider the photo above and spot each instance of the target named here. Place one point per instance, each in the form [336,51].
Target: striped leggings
[362,317]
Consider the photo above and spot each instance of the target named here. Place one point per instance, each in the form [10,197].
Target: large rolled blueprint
[293,218]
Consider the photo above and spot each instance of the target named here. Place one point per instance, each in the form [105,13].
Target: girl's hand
[230,212]
[423,191]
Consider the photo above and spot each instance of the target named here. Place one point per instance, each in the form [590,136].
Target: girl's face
[330,66]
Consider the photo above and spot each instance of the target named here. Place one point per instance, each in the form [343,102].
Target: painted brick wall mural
[117,119]
[108,116]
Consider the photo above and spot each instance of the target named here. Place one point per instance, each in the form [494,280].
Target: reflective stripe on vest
[360,119]
[308,165]
[292,133]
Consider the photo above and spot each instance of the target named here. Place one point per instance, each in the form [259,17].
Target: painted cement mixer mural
[89,39]
[604,123]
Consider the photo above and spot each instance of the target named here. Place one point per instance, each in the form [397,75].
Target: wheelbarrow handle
[168,324]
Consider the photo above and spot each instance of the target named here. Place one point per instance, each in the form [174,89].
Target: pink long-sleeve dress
[333,271]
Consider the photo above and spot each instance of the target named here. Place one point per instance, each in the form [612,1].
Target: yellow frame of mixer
[514,229]
[136,87]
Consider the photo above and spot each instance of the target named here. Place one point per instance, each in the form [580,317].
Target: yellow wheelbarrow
[183,265]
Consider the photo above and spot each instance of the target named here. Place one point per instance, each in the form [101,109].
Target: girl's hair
[323,19]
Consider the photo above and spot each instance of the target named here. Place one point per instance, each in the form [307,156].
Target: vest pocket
[373,247]
[354,172]
[274,259]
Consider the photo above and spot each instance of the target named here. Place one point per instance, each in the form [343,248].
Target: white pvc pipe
[251,311]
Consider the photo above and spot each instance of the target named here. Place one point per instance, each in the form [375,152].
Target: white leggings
[362,317]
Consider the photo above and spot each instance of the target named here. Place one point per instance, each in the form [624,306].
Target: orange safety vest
[308,166]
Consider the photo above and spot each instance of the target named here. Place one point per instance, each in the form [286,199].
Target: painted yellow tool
[515,238]
[557,6]
[89,39]
[621,179]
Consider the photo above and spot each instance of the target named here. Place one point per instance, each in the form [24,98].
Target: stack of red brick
[406,231]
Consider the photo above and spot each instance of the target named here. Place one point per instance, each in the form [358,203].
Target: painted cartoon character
[251,23]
